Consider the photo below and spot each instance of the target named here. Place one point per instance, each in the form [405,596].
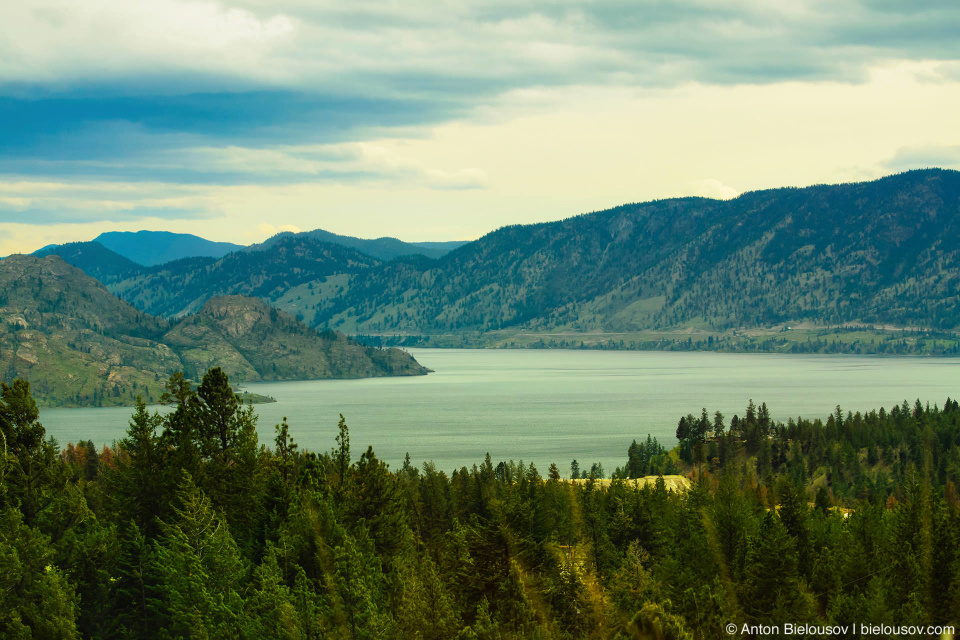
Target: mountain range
[183,286]
[152,248]
[149,248]
[881,254]
[383,249]
[79,345]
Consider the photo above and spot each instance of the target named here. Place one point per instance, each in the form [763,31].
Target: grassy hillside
[252,342]
[73,340]
[79,345]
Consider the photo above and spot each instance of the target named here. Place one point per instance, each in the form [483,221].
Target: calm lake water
[556,405]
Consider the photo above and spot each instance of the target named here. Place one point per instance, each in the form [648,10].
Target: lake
[546,406]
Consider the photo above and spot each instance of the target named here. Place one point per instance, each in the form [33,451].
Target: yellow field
[674,483]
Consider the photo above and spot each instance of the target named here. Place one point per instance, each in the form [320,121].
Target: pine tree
[142,486]
[226,439]
[132,588]
[377,504]
[269,611]
[180,438]
[770,590]
[341,458]
[218,425]
[197,569]
[30,470]
[354,577]
[36,600]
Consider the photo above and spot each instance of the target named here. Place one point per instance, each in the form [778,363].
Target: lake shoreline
[551,406]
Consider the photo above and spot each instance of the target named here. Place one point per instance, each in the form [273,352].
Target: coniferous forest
[189,527]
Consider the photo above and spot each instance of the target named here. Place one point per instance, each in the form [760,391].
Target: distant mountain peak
[149,248]
[384,248]
[94,259]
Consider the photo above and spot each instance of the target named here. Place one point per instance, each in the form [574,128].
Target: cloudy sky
[445,119]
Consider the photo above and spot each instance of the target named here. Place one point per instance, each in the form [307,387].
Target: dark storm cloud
[327,73]
[84,126]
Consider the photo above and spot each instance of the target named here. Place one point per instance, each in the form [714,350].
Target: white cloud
[17,205]
[461,49]
[350,162]
[265,230]
[389,163]
[926,156]
[64,41]
[48,203]
[712,188]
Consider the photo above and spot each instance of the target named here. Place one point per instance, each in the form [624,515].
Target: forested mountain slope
[78,344]
[384,248]
[94,259]
[183,286]
[877,252]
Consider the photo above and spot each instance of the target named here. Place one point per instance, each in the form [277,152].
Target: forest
[189,527]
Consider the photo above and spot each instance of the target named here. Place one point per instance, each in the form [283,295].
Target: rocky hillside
[73,340]
[79,345]
[253,342]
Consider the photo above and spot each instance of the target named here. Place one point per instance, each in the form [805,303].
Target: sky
[444,120]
